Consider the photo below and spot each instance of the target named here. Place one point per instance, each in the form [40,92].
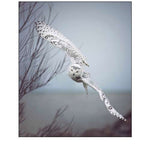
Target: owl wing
[103,98]
[60,41]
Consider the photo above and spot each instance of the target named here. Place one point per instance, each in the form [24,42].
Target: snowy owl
[76,69]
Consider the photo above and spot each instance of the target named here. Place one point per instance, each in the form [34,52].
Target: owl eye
[71,69]
[77,71]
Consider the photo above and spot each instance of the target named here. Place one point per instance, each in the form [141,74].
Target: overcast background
[102,31]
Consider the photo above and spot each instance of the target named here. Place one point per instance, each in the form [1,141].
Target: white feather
[60,41]
[75,70]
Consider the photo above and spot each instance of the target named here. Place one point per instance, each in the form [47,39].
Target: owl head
[75,72]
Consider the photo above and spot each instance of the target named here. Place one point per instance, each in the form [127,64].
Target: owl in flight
[78,62]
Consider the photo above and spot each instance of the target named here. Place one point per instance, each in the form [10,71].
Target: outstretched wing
[103,98]
[60,41]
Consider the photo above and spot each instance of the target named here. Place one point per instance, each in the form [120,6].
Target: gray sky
[103,31]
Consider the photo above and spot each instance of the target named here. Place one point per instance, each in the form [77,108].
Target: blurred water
[88,111]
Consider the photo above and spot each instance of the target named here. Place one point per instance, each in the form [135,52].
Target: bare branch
[55,128]
[37,64]
[31,8]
